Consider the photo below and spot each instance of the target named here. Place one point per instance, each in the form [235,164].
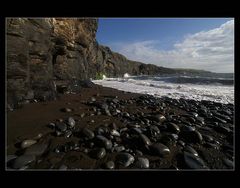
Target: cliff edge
[46,54]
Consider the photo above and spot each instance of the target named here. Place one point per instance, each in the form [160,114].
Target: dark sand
[32,119]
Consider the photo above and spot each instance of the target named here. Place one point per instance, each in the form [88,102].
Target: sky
[206,43]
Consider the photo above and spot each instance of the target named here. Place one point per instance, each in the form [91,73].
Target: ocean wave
[214,92]
[195,80]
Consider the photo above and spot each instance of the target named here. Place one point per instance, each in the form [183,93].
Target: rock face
[45,55]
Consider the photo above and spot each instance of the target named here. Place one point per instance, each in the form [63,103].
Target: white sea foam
[216,92]
[104,77]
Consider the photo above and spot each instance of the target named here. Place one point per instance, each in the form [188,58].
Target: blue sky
[200,43]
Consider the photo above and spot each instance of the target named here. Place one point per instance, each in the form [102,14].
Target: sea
[217,89]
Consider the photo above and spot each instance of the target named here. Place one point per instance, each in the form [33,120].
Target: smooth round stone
[160,149]
[60,120]
[154,130]
[110,165]
[66,110]
[159,118]
[23,160]
[113,126]
[167,140]
[104,106]
[163,127]
[105,129]
[200,119]
[36,149]
[130,151]
[104,142]
[138,152]
[216,142]
[211,145]
[115,144]
[98,153]
[145,140]
[71,122]
[174,136]
[186,123]
[124,159]
[173,128]
[114,133]
[227,112]
[27,143]
[222,129]
[115,101]
[206,128]
[228,162]
[187,128]
[61,127]
[110,137]
[193,161]
[136,130]
[93,99]
[146,121]
[51,125]
[219,120]
[192,120]
[125,114]
[58,133]
[142,163]
[190,150]
[107,112]
[68,134]
[207,138]
[119,148]
[210,126]
[57,149]
[91,144]
[181,143]
[100,131]
[194,114]
[197,136]
[40,135]
[192,136]
[125,135]
[88,133]
[134,126]
[123,129]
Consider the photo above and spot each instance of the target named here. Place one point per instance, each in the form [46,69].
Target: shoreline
[136,112]
[197,91]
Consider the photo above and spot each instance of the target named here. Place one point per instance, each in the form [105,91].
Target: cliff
[46,56]
[43,54]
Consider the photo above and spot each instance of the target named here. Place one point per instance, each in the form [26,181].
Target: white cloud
[211,50]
